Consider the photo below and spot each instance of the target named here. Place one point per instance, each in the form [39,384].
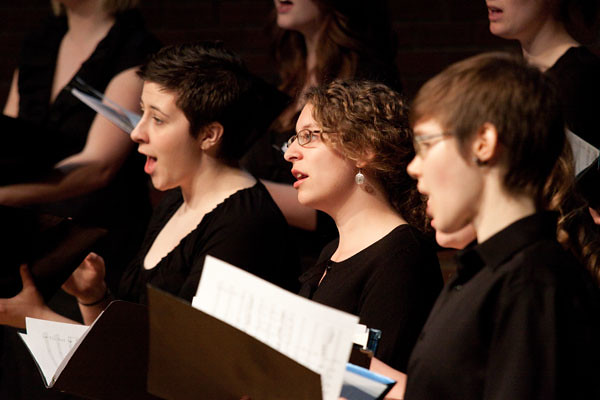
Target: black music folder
[51,246]
[109,361]
[196,356]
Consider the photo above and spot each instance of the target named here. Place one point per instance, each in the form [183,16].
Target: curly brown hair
[368,122]
[576,230]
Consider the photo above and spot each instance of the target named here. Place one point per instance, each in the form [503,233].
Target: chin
[160,186]
[499,32]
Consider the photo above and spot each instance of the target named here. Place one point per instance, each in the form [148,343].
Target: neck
[361,221]
[499,209]
[88,19]
[549,42]
[213,180]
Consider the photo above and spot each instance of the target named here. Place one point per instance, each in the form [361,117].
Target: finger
[26,277]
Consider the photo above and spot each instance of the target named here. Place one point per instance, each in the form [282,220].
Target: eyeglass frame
[423,139]
[295,136]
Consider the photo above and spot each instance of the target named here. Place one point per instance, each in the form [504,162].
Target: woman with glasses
[520,318]
[349,159]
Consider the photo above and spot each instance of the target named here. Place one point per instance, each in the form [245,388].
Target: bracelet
[95,303]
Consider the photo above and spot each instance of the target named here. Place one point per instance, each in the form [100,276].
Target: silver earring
[359,178]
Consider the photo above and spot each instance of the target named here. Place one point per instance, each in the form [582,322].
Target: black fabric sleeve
[397,300]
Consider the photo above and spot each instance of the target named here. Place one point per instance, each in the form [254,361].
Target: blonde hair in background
[110,6]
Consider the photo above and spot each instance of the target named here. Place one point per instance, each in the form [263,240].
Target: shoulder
[252,207]
[404,253]
[545,267]
[43,41]
[578,64]
[131,27]
[409,244]
[128,43]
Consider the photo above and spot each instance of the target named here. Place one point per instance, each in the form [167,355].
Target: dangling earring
[359,178]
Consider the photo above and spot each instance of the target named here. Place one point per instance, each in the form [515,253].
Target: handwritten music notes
[316,336]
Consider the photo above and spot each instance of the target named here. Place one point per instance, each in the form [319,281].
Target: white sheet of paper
[51,343]
[583,152]
[361,335]
[123,118]
[314,335]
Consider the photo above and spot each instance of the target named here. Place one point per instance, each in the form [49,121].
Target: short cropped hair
[368,121]
[112,7]
[211,84]
[519,100]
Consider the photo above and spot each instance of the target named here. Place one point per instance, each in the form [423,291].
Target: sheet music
[50,343]
[316,336]
[118,115]
[583,152]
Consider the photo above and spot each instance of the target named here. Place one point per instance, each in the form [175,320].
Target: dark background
[431,33]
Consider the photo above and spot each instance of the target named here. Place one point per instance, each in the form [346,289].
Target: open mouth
[284,6]
[494,11]
[150,165]
[300,177]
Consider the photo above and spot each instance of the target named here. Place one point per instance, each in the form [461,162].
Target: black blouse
[519,321]
[246,230]
[391,285]
[127,44]
[577,75]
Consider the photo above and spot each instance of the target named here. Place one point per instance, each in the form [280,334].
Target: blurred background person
[551,33]
[97,178]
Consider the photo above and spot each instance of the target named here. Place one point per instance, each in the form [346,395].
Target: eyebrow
[312,127]
[153,108]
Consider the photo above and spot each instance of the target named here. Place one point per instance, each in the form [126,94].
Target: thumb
[26,277]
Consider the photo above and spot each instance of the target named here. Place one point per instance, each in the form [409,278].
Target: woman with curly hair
[316,42]
[349,157]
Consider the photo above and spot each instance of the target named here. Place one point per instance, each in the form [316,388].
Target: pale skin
[495,209]
[543,38]
[362,213]
[197,164]
[543,42]
[107,146]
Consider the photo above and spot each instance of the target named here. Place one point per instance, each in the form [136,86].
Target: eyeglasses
[304,136]
[424,143]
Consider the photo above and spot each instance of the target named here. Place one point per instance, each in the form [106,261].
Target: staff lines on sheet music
[272,324]
[55,346]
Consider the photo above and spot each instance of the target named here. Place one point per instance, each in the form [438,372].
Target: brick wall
[431,33]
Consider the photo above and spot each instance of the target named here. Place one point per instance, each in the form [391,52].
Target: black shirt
[391,285]
[577,75]
[246,230]
[122,206]
[519,321]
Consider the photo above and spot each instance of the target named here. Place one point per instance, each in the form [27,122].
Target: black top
[519,321]
[125,46]
[246,230]
[577,74]
[391,285]
[123,206]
